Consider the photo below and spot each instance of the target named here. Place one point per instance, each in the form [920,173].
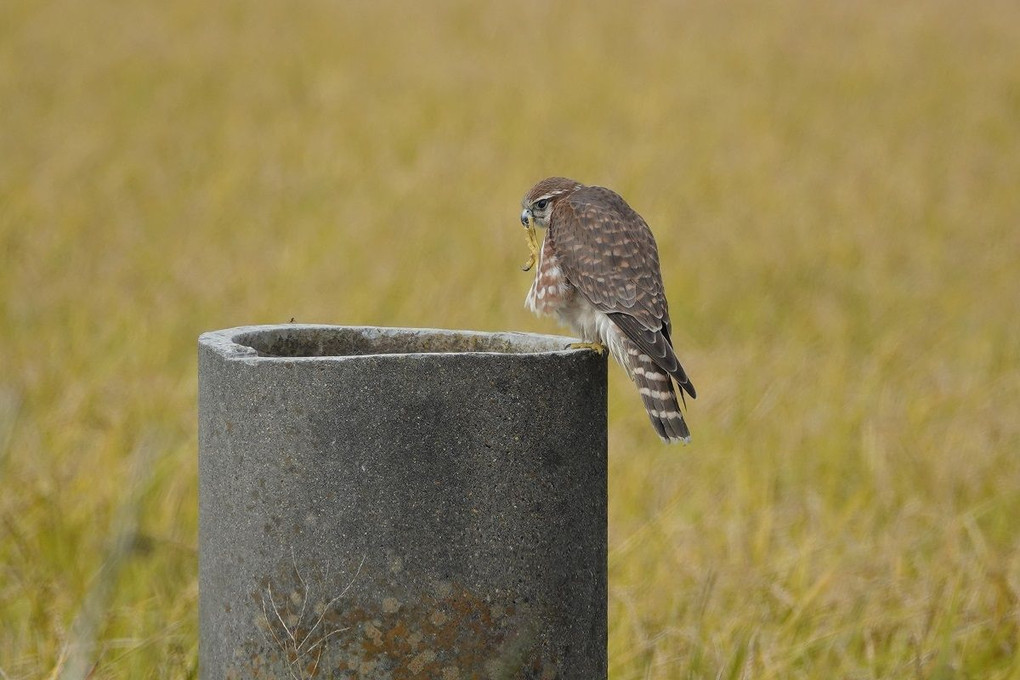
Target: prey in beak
[532,235]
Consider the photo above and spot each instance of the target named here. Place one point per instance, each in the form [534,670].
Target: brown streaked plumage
[598,272]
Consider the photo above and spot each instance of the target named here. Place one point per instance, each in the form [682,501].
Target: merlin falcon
[598,273]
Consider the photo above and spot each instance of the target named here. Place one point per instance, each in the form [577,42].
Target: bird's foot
[596,347]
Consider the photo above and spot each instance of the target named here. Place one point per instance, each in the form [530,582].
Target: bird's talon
[596,347]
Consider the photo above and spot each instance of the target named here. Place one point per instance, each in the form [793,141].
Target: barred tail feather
[656,390]
[653,382]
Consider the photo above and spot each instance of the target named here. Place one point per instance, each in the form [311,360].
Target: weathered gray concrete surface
[394,503]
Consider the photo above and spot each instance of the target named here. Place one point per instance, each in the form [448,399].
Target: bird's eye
[541,205]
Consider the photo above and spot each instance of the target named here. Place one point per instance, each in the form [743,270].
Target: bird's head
[538,203]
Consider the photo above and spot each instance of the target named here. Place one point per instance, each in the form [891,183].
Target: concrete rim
[256,342]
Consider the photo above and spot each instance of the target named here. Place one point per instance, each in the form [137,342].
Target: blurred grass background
[835,188]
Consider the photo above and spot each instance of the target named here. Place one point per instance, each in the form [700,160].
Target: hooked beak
[526,217]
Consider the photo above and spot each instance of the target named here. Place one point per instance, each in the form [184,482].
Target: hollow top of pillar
[295,341]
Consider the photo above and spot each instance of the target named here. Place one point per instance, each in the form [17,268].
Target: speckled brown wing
[608,253]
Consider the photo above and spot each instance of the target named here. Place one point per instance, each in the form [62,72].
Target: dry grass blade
[82,647]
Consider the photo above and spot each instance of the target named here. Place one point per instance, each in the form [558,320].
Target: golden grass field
[835,189]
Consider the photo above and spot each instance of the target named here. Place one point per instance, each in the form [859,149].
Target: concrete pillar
[400,503]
